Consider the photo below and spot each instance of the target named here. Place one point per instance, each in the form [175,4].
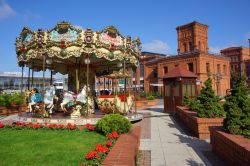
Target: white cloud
[156,46]
[5,10]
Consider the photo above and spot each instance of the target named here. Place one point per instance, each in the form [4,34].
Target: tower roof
[180,72]
[190,24]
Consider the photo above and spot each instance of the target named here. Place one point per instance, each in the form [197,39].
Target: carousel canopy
[65,46]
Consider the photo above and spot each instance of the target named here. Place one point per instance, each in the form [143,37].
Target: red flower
[71,127]
[91,155]
[109,136]
[52,126]
[30,123]
[1,125]
[115,134]
[100,148]
[91,128]
[109,143]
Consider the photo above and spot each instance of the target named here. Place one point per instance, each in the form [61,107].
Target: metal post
[22,81]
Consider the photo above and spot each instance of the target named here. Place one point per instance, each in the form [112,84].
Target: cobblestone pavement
[165,142]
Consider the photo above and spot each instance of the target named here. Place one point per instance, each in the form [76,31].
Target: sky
[153,21]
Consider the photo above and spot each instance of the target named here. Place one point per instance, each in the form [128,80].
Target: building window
[190,46]
[247,69]
[165,69]
[224,69]
[185,47]
[208,67]
[218,68]
[155,74]
[191,67]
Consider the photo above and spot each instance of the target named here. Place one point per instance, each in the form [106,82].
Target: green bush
[142,94]
[17,98]
[113,122]
[138,98]
[237,106]
[151,97]
[208,103]
[4,100]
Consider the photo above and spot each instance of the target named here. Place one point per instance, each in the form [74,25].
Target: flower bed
[199,126]
[143,103]
[93,157]
[233,149]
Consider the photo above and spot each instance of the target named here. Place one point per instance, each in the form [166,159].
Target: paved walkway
[169,145]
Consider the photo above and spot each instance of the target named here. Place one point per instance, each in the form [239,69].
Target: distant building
[13,81]
[193,55]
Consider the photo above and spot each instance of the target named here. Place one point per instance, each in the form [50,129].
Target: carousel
[84,56]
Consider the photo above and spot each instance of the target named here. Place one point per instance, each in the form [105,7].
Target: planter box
[4,111]
[23,108]
[199,126]
[233,149]
[125,149]
[146,103]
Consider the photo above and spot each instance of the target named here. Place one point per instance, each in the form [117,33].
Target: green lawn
[45,147]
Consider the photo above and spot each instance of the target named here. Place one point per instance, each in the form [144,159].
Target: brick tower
[192,37]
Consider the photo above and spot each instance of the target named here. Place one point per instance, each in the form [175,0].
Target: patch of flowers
[96,156]
[31,125]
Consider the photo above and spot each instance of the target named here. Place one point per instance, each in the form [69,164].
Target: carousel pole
[124,90]
[87,61]
[29,79]
[22,80]
[77,79]
[32,79]
[51,76]
[43,106]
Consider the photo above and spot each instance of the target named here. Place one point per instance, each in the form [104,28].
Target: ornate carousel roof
[67,46]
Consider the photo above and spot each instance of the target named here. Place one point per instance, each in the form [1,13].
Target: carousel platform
[61,118]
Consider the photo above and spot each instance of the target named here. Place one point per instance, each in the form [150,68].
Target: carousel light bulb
[119,64]
[49,61]
[87,61]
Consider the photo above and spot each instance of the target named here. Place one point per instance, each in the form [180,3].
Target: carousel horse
[70,98]
[49,97]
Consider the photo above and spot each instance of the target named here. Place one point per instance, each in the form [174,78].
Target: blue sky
[154,21]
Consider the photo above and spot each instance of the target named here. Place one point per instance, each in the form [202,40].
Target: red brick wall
[125,149]
[233,149]
[199,126]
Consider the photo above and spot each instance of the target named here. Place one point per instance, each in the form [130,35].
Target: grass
[45,147]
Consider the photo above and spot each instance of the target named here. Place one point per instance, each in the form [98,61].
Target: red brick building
[192,54]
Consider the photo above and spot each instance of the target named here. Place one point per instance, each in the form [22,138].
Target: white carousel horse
[48,98]
[72,97]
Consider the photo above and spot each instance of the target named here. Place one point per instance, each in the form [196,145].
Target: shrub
[17,98]
[150,97]
[138,98]
[113,122]
[237,106]
[208,106]
[4,100]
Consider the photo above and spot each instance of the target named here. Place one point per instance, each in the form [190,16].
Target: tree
[209,106]
[237,106]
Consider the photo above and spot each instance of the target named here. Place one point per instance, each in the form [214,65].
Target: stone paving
[169,144]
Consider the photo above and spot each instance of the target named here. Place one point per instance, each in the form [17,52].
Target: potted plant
[150,100]
[16,100]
